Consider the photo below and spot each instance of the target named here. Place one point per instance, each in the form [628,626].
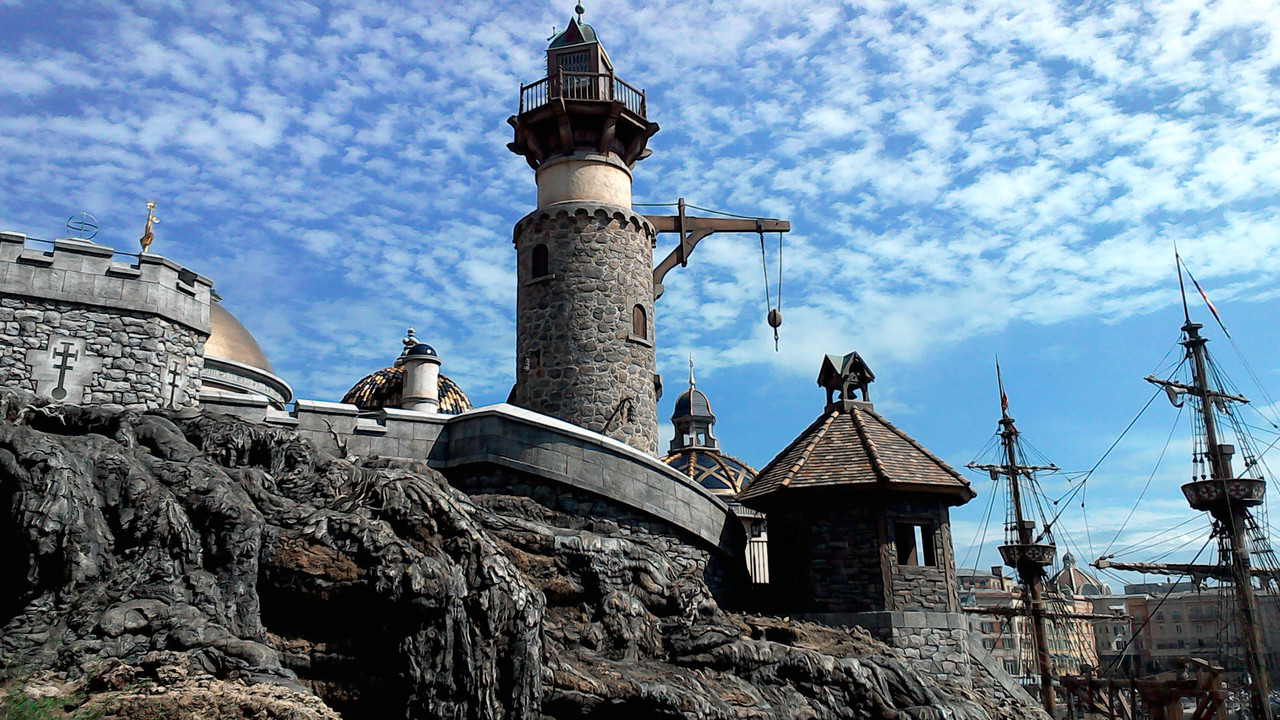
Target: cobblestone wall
[577,357]
[938,652]
[846,561]
[72,353]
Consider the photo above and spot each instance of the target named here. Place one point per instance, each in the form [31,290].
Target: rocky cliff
[187,565]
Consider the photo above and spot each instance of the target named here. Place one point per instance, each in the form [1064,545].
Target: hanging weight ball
[775,318]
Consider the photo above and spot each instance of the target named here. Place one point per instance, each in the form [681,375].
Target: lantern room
[577,50]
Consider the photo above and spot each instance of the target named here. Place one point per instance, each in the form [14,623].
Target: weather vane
[148,236]
[82,226]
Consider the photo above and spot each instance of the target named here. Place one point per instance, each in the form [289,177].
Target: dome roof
[718,473]
[382,389]
[692,403]
[1074,581]
[230,340]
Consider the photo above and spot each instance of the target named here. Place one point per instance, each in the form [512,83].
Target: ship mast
[1228,500]
[1027,557]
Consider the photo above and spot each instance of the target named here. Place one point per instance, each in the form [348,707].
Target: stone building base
[936,643]
[939,645]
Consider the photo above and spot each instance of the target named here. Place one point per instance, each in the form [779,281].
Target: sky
[963,180]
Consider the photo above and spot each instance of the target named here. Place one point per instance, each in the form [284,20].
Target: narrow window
[541,266]
[905,538]
[639,322]
[926,545]
[915,544]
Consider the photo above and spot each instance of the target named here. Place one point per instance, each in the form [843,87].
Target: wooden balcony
[601,87]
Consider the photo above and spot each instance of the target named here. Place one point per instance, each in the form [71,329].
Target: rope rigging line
[764,267]
[1168,440]
[1147,620]
[1089,474]
[1150,540]
[986,517]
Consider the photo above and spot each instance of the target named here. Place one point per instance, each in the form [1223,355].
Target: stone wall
[577,358]
[931,588]
[520,452]
[839,555]
[936,643]
[79,326]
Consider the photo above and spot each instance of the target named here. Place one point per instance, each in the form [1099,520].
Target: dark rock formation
[245,556]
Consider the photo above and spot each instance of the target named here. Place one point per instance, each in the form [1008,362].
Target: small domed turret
[414,382]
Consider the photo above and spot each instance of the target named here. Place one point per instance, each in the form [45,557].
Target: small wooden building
[858,511]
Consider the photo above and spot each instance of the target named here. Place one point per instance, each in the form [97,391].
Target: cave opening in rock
[14,561]
[340,638]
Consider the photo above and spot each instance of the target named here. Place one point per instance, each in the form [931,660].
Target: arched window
[639,322]
[540,262]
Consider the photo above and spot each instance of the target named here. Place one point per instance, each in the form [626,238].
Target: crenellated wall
[83,324]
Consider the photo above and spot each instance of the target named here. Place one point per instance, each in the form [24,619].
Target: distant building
[1005,634]
[1178,621]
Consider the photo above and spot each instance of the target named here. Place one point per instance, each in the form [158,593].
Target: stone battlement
[81,323]
[78,271]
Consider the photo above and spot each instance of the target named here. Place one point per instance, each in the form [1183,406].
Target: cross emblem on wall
[63,369]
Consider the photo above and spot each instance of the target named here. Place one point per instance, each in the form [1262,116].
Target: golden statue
[147,234]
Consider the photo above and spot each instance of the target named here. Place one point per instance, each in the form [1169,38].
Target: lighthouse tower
[584,299]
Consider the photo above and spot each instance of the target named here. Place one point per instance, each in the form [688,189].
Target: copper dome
[230,340]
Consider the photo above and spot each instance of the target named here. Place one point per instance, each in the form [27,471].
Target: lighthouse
[584,298]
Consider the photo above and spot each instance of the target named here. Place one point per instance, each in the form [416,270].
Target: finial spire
[409,340]
[148,235]
[1004,399]
[691,370]
[580,10]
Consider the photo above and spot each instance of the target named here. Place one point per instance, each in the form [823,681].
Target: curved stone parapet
[531,445]
[511,450]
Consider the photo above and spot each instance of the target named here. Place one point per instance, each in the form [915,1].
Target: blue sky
[963,179]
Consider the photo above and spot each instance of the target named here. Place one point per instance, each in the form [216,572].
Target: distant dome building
[1071,580]
[385,388]
[696,452]
[235,363]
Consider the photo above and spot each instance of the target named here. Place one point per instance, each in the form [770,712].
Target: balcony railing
[604,87]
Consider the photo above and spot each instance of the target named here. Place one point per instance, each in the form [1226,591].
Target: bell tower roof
[577,33]
[581,106]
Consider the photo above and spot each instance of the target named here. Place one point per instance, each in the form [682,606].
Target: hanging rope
[775,314]
[779,305]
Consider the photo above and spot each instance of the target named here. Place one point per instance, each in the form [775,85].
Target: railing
[604,87]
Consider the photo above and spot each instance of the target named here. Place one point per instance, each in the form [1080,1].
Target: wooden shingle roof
[850,446]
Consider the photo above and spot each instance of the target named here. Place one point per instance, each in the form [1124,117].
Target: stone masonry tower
[584,301]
